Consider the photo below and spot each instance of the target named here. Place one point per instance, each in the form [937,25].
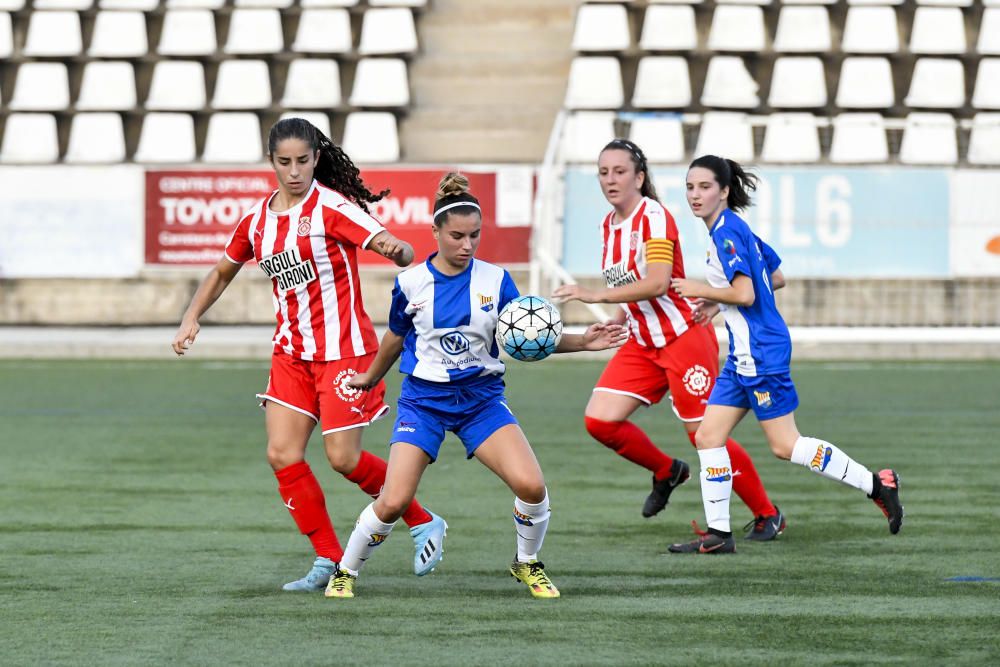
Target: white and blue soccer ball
[529,328]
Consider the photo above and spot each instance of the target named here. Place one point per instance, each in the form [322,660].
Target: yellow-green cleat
[341,585]
[533,575]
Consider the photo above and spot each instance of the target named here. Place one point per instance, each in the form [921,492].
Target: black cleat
[886,496]
[766,528]
[708,543]
[658,497]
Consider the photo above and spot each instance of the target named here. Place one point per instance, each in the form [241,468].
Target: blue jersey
[449,322]
[759,343]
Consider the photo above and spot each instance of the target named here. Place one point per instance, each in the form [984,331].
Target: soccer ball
[529,328]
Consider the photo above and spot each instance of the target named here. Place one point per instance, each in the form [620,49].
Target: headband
[457,204]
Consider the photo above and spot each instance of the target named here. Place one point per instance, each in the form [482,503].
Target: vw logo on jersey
[454,342]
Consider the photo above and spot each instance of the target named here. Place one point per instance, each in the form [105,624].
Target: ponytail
[639,162]
[334,168]
[729,173]
[453,196]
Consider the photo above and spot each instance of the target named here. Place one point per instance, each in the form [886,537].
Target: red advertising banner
[191,214]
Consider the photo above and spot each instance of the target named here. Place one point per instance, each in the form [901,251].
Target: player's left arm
[388,351]
[599,336]
[394,249]
[659,265]
[739,293]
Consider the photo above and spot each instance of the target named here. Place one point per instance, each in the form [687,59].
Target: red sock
[746,481]
[630,442]
[369,475]
[306,503]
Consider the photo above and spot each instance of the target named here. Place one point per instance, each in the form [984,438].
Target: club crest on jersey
[485,302]
[697,380]
[376,540]
[346,392]
[763,398]
[619,274]
[633,240]
[454,343]
[718,474]
[822,458]
[305,226]
[288,270]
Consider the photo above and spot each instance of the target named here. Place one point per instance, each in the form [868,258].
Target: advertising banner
[975,223]
[70,222]
[191,214]
[824,223]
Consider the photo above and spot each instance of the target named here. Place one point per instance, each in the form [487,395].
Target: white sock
[530,522]
[369,532]
[716,486]
[828,460]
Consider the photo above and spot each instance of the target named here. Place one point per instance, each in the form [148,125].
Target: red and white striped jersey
[310,254]
[627,246]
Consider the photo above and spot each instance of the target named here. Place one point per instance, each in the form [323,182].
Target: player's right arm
[211,288]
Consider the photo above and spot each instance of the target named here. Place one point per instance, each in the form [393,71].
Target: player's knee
[343,459]
[600,430]
[705,439]
[530,489]
[781,449]
[280,456]
[389,507]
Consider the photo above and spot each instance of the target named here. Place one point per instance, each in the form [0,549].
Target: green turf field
[140,524]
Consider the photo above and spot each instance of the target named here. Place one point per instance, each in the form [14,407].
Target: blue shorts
[769,396]
[473,411]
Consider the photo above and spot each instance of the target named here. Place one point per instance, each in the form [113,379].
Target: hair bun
[453,183]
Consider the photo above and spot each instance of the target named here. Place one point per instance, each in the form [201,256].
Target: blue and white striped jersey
[759,343]
[449,322]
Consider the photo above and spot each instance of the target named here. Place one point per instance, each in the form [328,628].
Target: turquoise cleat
[317,578]
[428,540]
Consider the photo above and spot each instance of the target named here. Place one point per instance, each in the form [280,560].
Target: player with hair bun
[742,275]
[443,321]
[305,237]
[669,351]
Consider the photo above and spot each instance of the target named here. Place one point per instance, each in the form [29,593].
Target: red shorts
[687,368]
[319,389]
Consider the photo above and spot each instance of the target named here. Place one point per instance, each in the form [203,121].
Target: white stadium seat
[601,28]
[397,3]
[30,138]
[791,138]
[859,138]
[726,134]
[937,83]
[41,87]
[661,139]
[134,5]
[276,4]
[195,4]
[166,137]
[989,32]
[586,133]
[737,28]
[11,5]
[371,136]
[119,35]
[669,28]
[96,138]
[187,32]
[595,82]
[312,83]
[177,85]
[53,34]
[929,138]
[798,82]
[803,30]
[319,119]
[328,3]
[242,84]
[233,137]
[938,30]
[380,82]
[6,35]
[388,30]
[662,82]
[948,3]
[324,31]
[986,94]
[107,86]
[865,83]
[984,141]
[870,30]
[728,84]
[76,5]
[255,31]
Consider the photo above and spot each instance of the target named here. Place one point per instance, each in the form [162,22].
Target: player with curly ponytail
[443,322]
[742,276]
[305,237]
